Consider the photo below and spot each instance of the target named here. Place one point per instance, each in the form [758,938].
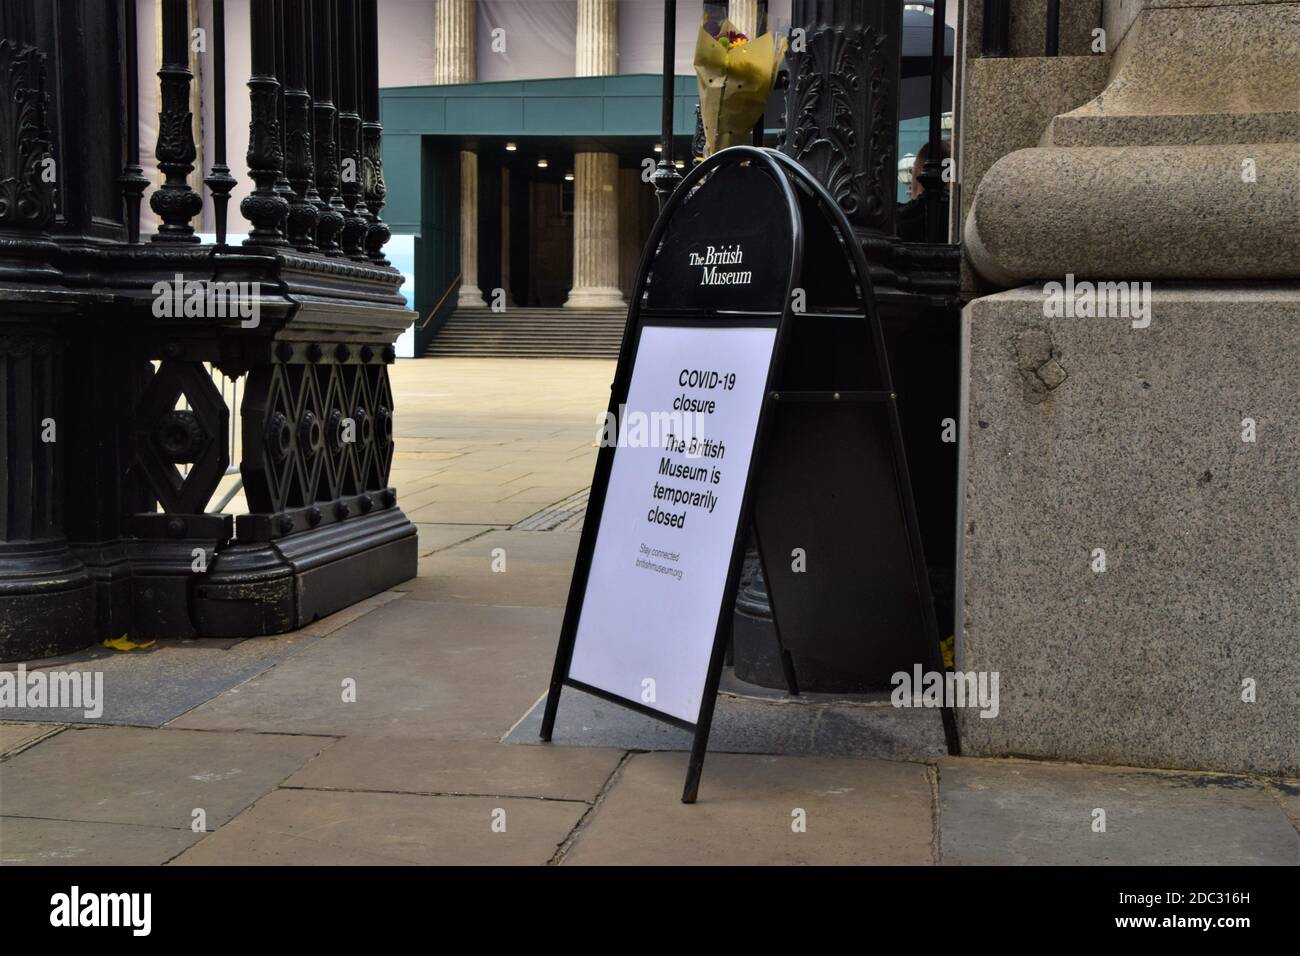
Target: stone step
[556,340]
[531,333]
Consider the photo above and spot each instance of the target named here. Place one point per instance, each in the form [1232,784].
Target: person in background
[911,215]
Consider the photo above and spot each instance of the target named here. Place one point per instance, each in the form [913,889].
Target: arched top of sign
[750,231]
[729,239]
[745,230]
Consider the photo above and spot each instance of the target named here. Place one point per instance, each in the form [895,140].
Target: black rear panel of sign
[720,252]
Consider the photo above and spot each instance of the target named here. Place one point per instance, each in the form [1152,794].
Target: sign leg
[787,659]
[696,766]
[552,705]
[787,665]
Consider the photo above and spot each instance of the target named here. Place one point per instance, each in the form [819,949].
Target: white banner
[669,521]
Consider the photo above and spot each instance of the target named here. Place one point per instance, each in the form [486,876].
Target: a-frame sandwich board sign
[752,317]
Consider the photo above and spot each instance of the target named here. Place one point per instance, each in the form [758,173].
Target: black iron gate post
[666,177]
[135,376]
[46,594]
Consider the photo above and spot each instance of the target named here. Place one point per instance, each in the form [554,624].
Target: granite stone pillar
[1131,429]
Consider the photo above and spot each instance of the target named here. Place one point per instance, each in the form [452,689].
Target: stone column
[470,297]
[629,227]
[505,236]
[597,38]
[744,14]
[595,201]
[454,61]
[595,233]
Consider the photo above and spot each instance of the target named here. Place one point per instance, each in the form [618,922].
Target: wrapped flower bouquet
[736,75]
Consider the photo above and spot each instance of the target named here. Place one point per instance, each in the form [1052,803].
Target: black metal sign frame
[789,176]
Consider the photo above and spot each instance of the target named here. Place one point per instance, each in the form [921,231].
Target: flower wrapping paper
[734,82]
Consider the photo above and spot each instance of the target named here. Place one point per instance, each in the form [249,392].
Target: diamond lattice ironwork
[167,436]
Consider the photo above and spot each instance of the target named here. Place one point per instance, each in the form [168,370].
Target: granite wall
[1085,434]
[1129,541]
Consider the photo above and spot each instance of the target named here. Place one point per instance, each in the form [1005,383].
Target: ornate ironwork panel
[842,104]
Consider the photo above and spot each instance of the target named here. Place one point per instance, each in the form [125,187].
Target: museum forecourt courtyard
[402,730]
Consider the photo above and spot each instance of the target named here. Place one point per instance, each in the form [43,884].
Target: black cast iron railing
[219,181]
[666,178]
[135,369]
[932,176]
[997,29]
[302,52]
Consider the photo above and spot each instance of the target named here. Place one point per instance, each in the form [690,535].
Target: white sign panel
[663,549]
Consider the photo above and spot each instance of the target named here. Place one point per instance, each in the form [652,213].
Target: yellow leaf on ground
[124,643]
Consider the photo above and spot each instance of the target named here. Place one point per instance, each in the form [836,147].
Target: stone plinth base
[594,298]
[469,297]
[1086,434]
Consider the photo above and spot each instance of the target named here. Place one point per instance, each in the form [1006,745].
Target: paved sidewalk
[249,752]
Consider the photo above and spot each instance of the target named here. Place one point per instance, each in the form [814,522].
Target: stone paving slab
[747,725]
[14,736]
[438,537]
[856,812]
[421,670]
[502,513]
[409,480]
[148,777]
[314,827]
[149,687]
[467,477]
[27,842]
[152,685]
[414,446]
[538,569]
[1288,795]
[568,514]
[458,494]
[569,480]
[424,454]
[462,767]
[998,812]
[540,494]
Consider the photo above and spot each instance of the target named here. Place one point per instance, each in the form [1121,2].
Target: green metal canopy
[594,106]
[617,114]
